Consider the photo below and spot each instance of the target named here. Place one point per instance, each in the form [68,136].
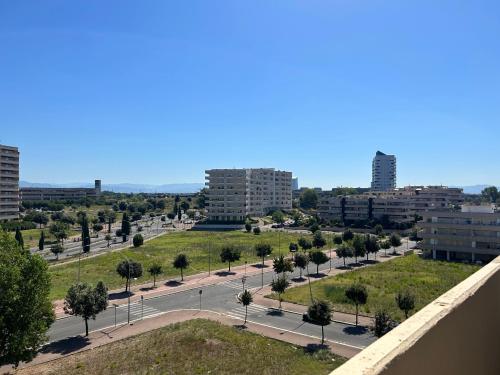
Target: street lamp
[115,306]
[243,280]
[200,292]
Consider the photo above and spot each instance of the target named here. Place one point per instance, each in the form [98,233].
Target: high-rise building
[295,183]
[234,194]
[9,183]
[383,172]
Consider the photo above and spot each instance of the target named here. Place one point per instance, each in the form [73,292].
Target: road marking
[137,309]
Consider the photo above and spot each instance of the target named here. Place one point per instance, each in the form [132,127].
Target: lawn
[194,244]
[427,279]
[194,347]
[32,236]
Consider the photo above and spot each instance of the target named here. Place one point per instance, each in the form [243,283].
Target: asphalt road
[220,297]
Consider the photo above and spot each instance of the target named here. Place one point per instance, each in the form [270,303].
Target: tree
[248,227]
[347,235]
[344,251]
[184,206]
[108,238]
[125,225]
[304,244]
[85,235]
[246,299]
[314,227]
[318,240]
[308,199]
[229,254]
[491,194]
[40,218]
[111,216]
[378,229]
[57,249]
[179,215]
[154,270]
[19,238]
[320,313]
[395,241]
[181,262]
[358,244]
[128,270]
[300,261]
[41,241]
[279,286]
[337,240]
[138,240]
[318,257]
[97,228]
[358,295]
[383,323]
[59,231]
[278,217]
[263,250]
[256,230]
[85,301]
[406,302]
[282,264]
[25,307]
[371,245]
[386,245]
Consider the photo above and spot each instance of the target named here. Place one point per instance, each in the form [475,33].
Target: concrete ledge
[458,333]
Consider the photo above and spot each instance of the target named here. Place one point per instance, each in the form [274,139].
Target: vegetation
[318,258]
[129,269]
[263,250]
[138,240]
[427,279]
[358,295]
[246,299]
[383,323]
[282,264]
[320,313]
[229,254]
[308,199]
[155,270]
[256,230]
[194,347]
[344,251]
[300,261]
[405,301]
[279,286]
[181,262]
[25,309]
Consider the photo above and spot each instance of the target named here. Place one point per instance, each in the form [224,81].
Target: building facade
[397,205]
[295,183]
[57,194]
[9,183]
[471,234]
[234,194]
[383,172]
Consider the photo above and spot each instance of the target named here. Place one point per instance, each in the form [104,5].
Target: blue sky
[158,91]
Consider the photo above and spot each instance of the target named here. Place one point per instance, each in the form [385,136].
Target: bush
[256,230]
[118,233]
[383,323]
[138,240]
[11,226]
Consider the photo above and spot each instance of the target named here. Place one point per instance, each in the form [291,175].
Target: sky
[158,91]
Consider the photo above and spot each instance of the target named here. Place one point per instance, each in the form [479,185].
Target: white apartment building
[234,194]
[471,234]
[9,183]
[383,172]
[58,194]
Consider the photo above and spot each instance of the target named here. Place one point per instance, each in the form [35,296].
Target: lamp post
[331,254]
[115,306]
[243,280]
[200,292]
[142,307]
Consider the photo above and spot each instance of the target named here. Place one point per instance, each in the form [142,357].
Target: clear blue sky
[158,91]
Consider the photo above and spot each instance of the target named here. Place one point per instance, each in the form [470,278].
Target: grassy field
[427,279]
[32,236]
[163,251]
[194,347]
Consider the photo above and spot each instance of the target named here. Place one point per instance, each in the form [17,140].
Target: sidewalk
[95,339]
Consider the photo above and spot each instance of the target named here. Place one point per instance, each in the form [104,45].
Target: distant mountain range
[473,189]
[127,188]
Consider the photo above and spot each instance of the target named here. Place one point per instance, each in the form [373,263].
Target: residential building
[383,172]
[471,234]
[234,194]
[295,183]
[397,205]
[57,194]
[9,183]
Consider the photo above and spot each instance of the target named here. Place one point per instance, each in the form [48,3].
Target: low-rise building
[234,194]
[9,183]
[471,234]
[58,194]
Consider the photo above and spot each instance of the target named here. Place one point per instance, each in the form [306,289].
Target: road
[220,297]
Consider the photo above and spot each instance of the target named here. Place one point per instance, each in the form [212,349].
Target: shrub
[138,240]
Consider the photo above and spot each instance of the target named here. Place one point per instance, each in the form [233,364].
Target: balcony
[458,333]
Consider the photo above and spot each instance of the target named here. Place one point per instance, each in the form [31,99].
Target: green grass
[163,251]
[427,279]
[194,347]
[32,236]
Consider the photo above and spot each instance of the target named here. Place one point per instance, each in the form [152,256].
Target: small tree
[138,240]
[358,295]
[256,230]
[85,235]
[40,218]
[318,257]
[262,250]
[97,228]
[57,249]
[59,230]
[406,302]
[108,238]
[246,299]
[378,229]
[301,261]
[386,245]
[229,254]
[154,270]
[371,245]
[279,286]
[248,227]
[41,241]
[305,244]
[125,229]
[19,238]
[181,262]
[320,313]
[318,240]
[347,235]
[344,251]
[85,301]
[395,241]
[358,245]
[278,217]
[337,240]
[383,323]
[128,270]
[282,265]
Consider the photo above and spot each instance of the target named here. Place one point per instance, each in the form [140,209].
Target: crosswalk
[233,284]
[239,312]
[138,310]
